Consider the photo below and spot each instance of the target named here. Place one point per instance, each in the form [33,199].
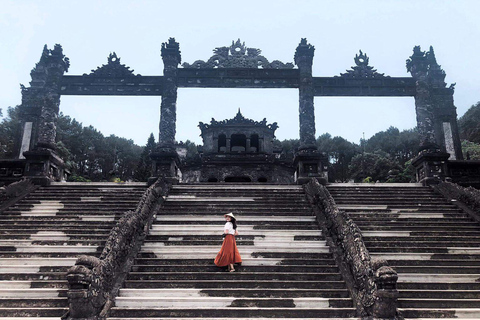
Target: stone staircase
[287,270]
[41,236]
[433,245]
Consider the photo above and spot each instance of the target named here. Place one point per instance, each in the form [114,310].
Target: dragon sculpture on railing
[94,282]
[374,283]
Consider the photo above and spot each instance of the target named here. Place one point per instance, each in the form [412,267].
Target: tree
[376,166]
[471,150]
[339,152]
[144,166]
[10,128]
[401,146]
[469,124]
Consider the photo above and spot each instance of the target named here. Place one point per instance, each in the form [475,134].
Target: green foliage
[75,178]
[401,146]
[89,154]
[469,124]
[340,153]
[10,130]
[376,166]
[471,150]
[289,147]
[144,166]
[404,176]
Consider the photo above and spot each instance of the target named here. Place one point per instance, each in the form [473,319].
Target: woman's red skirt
[228,253]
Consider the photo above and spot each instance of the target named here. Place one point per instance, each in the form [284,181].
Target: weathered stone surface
[168,110]
[304,61]
[94,282]
[238,56]
[369,277]
[362,69]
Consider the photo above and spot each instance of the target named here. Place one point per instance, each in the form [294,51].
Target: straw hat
[230,215]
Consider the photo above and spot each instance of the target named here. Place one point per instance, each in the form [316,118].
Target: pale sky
[386,30]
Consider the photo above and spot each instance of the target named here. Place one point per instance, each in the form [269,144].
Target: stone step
[33,312]
[33,302]
[243,267]
[440,294]
[168,302]
[211,219]
[236,284]
[236,292]
[436,303]
[203,318]
[430,313]
[245,262]
[234,312]
[239,276]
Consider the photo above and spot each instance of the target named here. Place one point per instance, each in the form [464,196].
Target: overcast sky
[385,30]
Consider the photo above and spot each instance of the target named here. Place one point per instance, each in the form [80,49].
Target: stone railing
[466,198]
[14,192]
[372,284]
[94,282]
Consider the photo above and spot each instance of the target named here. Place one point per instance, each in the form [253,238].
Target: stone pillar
[168,110]
[165,158]
[445,112]
[304,61]
[308,160]
[436,118]
[228,145]
[436,113]
[418,67]
[247,146]
[40,107]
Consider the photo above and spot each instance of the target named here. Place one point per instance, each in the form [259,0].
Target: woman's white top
[229,228]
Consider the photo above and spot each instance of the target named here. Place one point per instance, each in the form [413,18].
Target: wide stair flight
[41,236]
[287,270]
[433,245]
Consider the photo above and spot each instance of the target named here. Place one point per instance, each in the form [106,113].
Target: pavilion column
[304,61]
[165,158]
[40,108]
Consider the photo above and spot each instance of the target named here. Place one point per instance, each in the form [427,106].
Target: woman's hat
[230,215]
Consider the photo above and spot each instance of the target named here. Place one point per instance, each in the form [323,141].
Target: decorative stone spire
[304,61]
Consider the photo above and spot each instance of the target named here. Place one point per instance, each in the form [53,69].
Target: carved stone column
[165,158]
[304,61]
[168,110]
[445,112]
[308,160]
[418,67]
[40,106]
[436,118]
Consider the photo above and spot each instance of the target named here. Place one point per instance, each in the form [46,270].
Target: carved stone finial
[113,68]
[303,49]
[362,69]
[237,56]
[417,61]
[171,48]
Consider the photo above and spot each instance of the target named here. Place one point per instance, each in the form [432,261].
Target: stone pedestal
[310,163]
[166,165]
[44,166]
[431,167]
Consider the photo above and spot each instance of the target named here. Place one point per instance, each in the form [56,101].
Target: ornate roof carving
[113,69]
[238,56]
[362,69]
[239,119]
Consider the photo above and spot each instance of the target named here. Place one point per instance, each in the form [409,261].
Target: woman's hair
[234,222]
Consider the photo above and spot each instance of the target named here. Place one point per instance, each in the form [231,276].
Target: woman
[229,254]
